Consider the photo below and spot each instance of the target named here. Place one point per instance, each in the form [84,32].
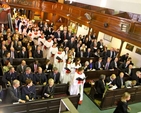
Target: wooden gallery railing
[122,28]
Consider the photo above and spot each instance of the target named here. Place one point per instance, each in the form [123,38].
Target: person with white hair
[13,93]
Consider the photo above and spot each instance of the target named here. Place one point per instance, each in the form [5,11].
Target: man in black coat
[120,82]
[9,76]
[34,66]
[27,75]
[55,75]
[99,64]
[40,77]
[137,77]
[38,53]
[13,93]
[23,53]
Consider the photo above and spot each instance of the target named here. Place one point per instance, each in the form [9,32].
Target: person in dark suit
[99,64]
[38,53]
[120,82]
[34,66]
[114,64]
[107,63]
[13,93]
[110,53]
[22,67]
[124,57]
[124,65]
[23,53]
[27,75]
[48,66]
[86,66]
[110,80]
[40,77]
[128,71]
[100,86]
[49,89]
[7,57]
[13,53]
[28,91]
[137,77]
[9,76]
[71,44]
[122,106]
[55,75]
[88,53]
[100,45]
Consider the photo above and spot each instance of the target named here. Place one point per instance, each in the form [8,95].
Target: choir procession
[37,60]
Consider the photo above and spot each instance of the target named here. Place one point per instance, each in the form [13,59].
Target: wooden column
[122,42]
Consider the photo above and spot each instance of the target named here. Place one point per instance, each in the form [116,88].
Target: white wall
[82,30]
[133,6]
[116,43]
[135,57]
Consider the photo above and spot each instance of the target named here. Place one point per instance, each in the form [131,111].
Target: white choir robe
[52,53]
[59,65]
[77,87]
[41,40]
[65,76]
[46,49]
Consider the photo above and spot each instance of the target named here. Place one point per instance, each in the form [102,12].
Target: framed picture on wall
[129,47]
[138,51]
[107,37]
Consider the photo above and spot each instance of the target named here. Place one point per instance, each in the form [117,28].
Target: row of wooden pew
[111,97]
[41,105]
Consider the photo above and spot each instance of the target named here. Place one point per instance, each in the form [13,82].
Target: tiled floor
[89,107]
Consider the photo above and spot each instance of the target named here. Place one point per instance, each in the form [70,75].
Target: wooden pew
[38,106]
[94,75]
[83,59]
[17,61]
[60,90]
[111,98]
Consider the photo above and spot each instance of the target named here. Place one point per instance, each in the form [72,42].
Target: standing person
[53,51]
[122,106]
[13,93]
[47,45]
[66,74]
[77,84]
[59,60]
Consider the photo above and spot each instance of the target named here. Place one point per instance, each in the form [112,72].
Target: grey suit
[12,95]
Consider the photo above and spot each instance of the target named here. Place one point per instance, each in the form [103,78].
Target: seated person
[137,77]
[13,93]
[55,75]
[110,81]
[130,83]
[6,67]
[86,66]
[99,64]
[91,65]
[27,75]
[128,70]
[28,91]
[48,90]
[48,66]
[40,77]
[120,82]
[1,94]
[100,86]
[9,76]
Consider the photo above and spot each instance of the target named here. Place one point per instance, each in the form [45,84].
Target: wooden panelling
[137,29]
